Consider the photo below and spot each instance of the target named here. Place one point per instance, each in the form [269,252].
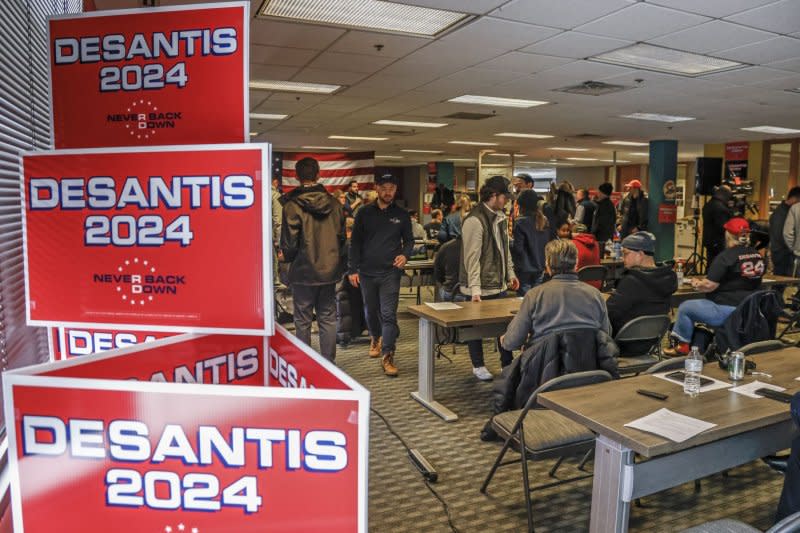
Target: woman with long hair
[451,226]
[530,235]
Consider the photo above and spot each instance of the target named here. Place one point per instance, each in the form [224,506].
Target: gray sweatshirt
[791,229]
[472,236]
[562,303]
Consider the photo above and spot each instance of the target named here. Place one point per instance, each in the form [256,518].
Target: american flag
[336,169]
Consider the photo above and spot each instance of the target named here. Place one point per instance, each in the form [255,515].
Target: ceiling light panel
[389,157]
[375,15]
[775,130]
[325,147]
[356,138]
[294,86]
[473,143]
[409,123]
[422,151]
[657,117]
[524,135]
[496,101]
[660,59]
[640,154]
[612,161]
[268,116]
[582,158]
[566,149]
[626,143]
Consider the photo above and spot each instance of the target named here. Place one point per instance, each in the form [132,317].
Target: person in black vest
[605,216]
[716,213]
[780,252]
[380,246]
[584,213]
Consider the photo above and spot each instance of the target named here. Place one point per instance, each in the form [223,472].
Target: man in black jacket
[780,252]
[312,242]
[381,243]
[584,213]
[605,216]
[715,214]
[634,210]
[645,289]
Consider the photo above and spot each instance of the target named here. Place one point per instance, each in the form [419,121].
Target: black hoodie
[313,236]
[640,292]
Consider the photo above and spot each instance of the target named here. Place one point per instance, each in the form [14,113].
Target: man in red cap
[733,275]
[634,209]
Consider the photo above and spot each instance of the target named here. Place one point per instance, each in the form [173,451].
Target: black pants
[322,298]
[381,296]
[476,347]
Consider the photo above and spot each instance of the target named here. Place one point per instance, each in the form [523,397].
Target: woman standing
[451,227]
[531,233]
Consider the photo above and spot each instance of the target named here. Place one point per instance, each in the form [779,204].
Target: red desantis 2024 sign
[137,77]
[153,238]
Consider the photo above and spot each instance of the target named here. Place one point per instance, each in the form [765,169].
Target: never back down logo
[138,282]
[142,119]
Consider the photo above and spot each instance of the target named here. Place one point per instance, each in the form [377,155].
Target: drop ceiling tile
[292,35]
[272,72]
[750,76]
[711,36]
[780,17]
[478,7]
[789,64]
[273,55]
[256,98]
[641,22]
[452,57]
[363,42]
[575,45]
[500,33]
[711,8]
[771,50]
[523,62]
[565,14]
[350,62]
[335,77]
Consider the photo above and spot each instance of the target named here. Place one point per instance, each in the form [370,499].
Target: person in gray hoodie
[791,234]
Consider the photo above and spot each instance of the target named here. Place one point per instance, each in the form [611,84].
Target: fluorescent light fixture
[409,123]
[660,59]
[566,149]
[496,101]
[294,86]
[366,14]
[582,158]
[611,161]
[473,143]
[460,159]
[500,154]
[267,116]
[253,134]
[775,130]
[389,157]
[640,154]
[524,135]
[547,163]
[325,147]
[422,151]
[626,143]
[657,117]
[355,138]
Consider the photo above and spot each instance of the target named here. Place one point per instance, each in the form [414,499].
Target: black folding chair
[593,273]
[544,434]
[639,343]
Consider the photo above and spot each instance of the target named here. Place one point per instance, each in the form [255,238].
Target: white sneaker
[482,373]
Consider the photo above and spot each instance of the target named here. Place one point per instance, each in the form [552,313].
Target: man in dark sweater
[381,243]
[645,289]
[605,216]
[715,214]
[780,252]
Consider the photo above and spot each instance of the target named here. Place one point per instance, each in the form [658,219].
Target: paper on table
[751,388]
[716,385]
[442,306]
[671,425]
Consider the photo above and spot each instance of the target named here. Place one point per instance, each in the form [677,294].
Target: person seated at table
[446,267]
[530,235]
[432,228]
[588,249]
[644,289]
[733,275]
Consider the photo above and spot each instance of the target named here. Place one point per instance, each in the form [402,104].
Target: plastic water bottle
[693,367]
[617,250]
[679,272]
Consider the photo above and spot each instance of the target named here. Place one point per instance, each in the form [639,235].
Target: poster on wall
[153,76]
[169,239]
[736,156]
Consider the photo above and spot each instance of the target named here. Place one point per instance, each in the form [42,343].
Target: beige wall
[588,177]
[414,181]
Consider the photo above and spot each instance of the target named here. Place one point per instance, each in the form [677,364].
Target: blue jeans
[476,347]
[527,281]
[381,296]
[704,311]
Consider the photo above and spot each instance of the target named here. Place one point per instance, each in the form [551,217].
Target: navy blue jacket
[379,235]
[527,250]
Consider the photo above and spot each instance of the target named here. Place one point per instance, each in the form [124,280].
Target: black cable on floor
[436,495]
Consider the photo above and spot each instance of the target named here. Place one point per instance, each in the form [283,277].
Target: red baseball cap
[737,226]
[634,184]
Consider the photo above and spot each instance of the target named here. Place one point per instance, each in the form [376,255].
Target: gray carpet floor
[399,500]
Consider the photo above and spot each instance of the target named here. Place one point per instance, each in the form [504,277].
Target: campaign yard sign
[65,343]
[165,239]
[159,437]
[137,77]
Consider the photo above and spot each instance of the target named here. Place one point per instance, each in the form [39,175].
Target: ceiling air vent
[469,116]
[589,136]
[594,88]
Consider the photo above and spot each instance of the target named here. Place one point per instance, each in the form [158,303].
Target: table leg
[610,512]
[425,394]
[419,287]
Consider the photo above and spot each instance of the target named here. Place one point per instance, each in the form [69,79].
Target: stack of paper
[442,306]
[671,425]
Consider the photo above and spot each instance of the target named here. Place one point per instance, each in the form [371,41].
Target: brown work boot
[375,347]
[388,364]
